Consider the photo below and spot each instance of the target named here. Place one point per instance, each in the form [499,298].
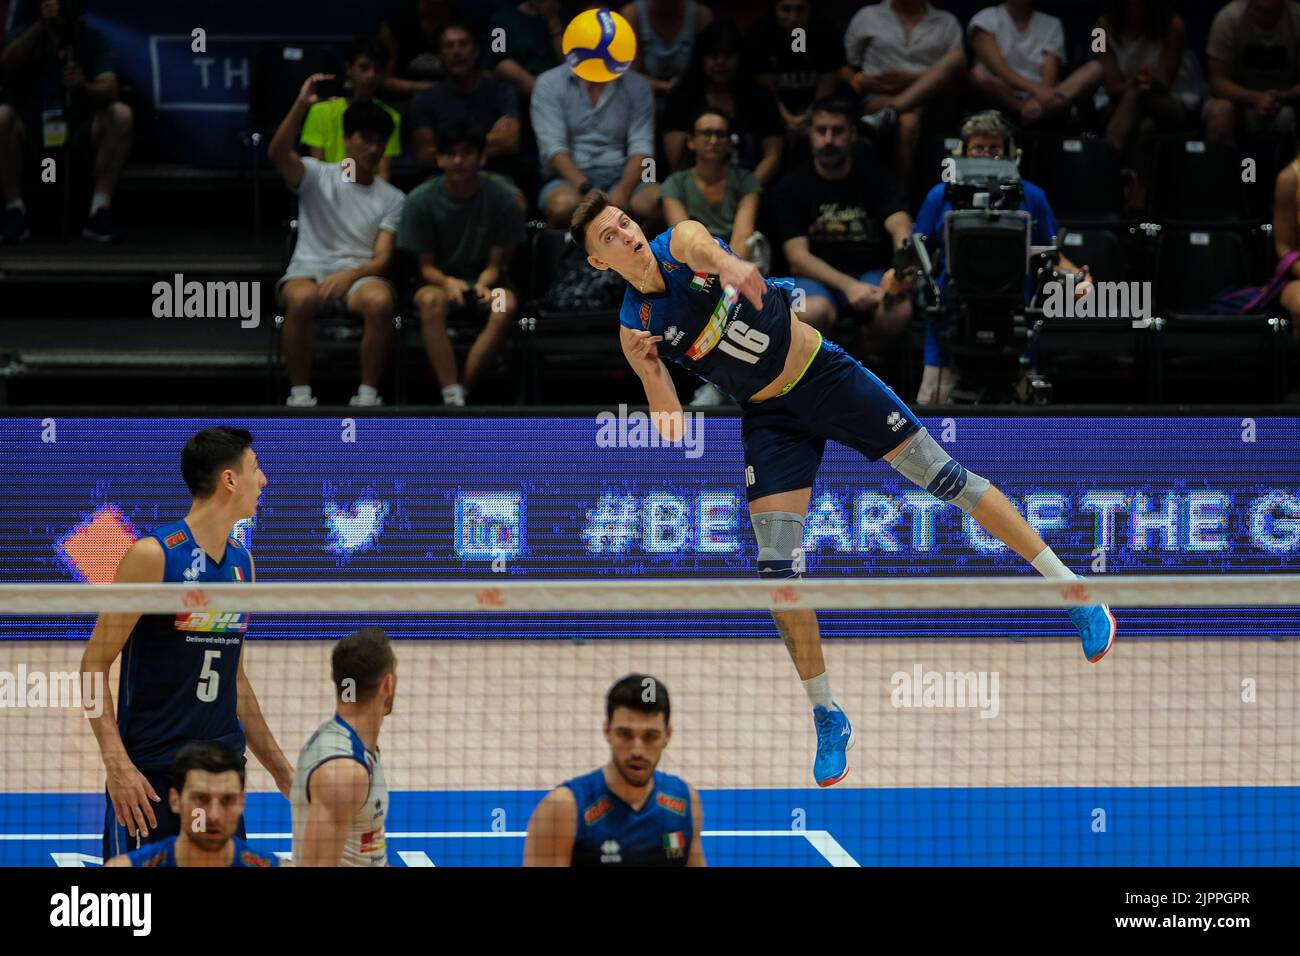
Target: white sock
[454,394]
[300,391]
[18,204]
[99,201]
[367,391]
[819,690]
[1049,565]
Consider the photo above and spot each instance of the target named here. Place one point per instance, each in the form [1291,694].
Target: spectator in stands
[715,78]
[471,96]
[594,135]
[839,219]
[798,73]
[347,225]
[714,192]
[904,57]
[464,228]
[1286,235]
[1150,81]
[322,133]
[533,32]
[984,135]
[665,36]
[1254,56]
[62,82]
[720,195]
[411,37]
[1019,55]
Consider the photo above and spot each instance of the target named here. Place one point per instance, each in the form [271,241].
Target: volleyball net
[998,748]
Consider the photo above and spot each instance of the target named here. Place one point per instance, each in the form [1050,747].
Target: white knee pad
[780,538]
[926,464]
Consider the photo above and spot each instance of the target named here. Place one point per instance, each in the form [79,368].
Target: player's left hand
[483,295]
[745,278]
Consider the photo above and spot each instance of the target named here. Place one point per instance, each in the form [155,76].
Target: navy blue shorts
[837,398]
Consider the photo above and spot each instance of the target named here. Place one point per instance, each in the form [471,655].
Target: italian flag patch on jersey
[700,282]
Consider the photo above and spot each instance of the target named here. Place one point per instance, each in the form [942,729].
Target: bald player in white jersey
[339,797]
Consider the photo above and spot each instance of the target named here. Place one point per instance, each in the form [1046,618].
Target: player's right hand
[308,92]
[642,350]
[131,792]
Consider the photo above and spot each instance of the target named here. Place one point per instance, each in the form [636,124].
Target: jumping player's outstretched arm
[692,244]
[128,789]
[552,829]
[660,392]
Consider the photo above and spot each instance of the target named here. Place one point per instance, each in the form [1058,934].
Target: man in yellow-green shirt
[322,132]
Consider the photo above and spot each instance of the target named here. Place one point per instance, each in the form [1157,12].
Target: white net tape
[668,594]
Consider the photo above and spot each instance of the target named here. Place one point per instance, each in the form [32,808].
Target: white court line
[821,840]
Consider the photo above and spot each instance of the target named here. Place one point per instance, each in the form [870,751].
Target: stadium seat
[1244,353]
[556,341]
[1200,185]
[1083,181]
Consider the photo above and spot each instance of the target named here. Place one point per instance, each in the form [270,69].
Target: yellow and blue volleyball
[599,45]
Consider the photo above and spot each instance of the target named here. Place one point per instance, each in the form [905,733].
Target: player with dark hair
[712,313]
[207,792]
[626,812]
[340,799]
[182,678]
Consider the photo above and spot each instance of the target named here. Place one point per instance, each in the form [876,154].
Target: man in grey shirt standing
[595,136]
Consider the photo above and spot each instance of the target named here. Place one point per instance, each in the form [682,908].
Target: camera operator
[983,135]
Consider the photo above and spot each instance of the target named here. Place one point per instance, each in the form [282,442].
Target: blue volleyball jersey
[611,832]
[725,341]
[177,682]
[163,853]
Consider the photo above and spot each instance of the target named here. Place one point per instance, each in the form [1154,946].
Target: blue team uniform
[178,677]
[612,833]
[163,853]
[742,350]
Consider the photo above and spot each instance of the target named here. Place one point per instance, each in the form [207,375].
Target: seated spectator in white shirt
[904,57]
[1019,55]
[347,227]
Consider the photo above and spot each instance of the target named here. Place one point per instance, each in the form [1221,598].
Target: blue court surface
[1148,826]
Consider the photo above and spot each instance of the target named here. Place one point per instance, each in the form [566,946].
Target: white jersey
[335,740]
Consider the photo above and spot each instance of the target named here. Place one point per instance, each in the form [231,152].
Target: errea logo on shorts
[610,852]
[895,421]
[673,335]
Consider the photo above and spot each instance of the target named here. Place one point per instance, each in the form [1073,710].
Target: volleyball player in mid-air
[627,812]
[693,302]
[182,676]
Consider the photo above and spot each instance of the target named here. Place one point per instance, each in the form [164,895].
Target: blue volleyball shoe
[834,738]
[1096,628]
